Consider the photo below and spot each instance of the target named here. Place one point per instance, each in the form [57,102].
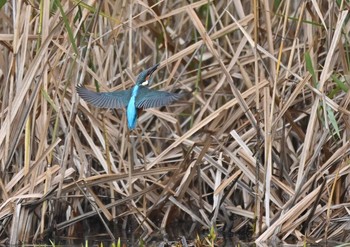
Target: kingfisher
[136,98]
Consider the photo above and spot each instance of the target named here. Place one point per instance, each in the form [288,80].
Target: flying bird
[137,97]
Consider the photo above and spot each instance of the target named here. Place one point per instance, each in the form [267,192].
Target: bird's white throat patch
[145,83]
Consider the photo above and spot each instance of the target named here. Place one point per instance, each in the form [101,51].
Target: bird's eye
[145,83]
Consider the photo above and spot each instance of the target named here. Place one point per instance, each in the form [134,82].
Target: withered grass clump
[259,145]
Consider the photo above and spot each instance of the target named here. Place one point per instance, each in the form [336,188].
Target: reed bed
[258,146]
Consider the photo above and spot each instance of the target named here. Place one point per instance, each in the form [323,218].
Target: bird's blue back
[131,110]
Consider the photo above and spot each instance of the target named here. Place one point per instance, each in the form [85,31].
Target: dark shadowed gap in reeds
[258,148]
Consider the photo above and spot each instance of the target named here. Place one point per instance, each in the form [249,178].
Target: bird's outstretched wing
[116,99]
[148,98]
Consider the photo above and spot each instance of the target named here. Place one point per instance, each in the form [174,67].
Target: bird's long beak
[149,73]
[152,69]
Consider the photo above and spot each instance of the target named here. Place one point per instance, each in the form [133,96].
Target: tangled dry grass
[259,146]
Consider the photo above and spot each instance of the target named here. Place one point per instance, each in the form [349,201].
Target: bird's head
[144,76]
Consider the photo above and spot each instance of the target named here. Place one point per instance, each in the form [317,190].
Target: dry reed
[259,146]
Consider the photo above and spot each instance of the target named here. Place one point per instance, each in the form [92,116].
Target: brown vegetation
[259,145]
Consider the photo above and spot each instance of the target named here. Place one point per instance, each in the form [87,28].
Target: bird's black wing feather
[149,98]
[116,99]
